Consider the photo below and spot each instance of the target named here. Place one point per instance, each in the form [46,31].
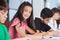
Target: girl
[3,15]
[22,21]
[56,15]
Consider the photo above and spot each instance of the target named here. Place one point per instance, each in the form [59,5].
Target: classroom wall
[38,5]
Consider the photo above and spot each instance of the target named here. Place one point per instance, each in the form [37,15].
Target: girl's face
[3,16]
[27,12]
[57,16]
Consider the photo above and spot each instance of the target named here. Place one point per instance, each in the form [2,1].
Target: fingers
[37,31]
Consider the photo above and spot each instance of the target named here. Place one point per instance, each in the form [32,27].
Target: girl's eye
[25,10]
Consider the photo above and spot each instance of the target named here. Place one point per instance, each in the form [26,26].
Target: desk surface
[53,38]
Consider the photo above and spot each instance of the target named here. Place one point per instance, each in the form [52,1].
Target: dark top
[41,26]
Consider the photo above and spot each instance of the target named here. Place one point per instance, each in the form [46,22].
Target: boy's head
[46,14]
[56,13]
[3,11]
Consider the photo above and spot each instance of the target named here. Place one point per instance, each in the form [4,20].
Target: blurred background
[38,5]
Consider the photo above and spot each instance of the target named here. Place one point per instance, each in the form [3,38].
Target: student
[56,15]
[3,16]
[42,22]
[22,21]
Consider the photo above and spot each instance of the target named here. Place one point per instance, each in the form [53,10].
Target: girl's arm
[31,31]
[51,30]
[20,31]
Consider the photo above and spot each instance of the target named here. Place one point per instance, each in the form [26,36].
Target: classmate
[22,21]
[42,22]
[56,16]
[3,16]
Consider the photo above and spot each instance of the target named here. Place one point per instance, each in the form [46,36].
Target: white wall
[38,5]
[51,4]
[13,5]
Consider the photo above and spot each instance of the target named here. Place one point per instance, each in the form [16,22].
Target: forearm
[31,31]
[21,31]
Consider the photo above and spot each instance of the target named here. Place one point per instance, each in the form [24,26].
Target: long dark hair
[19,13]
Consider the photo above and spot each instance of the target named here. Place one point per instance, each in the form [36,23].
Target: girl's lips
[4,19]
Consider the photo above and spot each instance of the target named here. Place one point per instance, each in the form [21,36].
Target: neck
[24,20]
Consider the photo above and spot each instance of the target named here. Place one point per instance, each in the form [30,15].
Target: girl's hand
[38,34]
[20,30]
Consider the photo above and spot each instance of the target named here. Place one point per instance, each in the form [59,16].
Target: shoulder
[2,25]
[37,19]
[15,22]
[16,19]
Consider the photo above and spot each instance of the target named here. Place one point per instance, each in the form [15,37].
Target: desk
[53,38]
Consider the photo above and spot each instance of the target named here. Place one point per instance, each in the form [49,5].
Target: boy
[41,23]
[56,15]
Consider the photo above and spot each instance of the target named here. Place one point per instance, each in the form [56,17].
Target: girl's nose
[5,16]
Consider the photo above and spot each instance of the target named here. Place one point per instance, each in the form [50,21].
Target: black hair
[46,13]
